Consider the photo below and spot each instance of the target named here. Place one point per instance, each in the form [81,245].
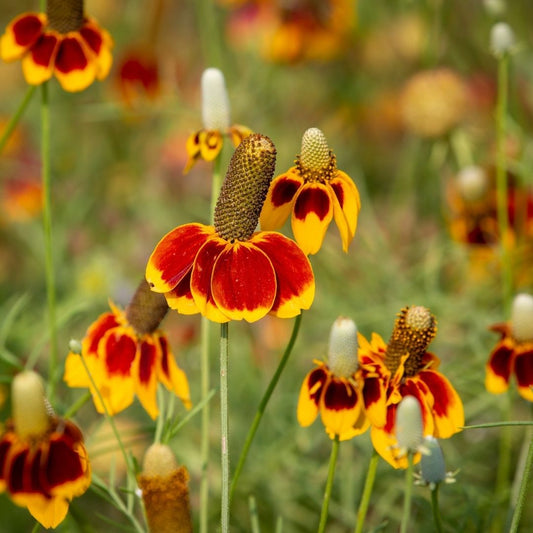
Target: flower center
[316,161]
[64,15]
[245,188]
[146,309]
[413,330]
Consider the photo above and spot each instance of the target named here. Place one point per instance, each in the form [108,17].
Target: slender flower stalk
[408,493]
[367,491]
[329,484]
[526,477]
[435,509]
[224,428]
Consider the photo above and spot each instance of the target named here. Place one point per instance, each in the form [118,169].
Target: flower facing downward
[313,192]
[207,142]
[43,461]
[514,351]
[126,354]
[61,42]
[334,389]
[228,271]
[403,367]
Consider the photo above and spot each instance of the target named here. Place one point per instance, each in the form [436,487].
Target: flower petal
[346,206]
[310,393]
[499,366]
[193,150]
[75,67]
[385,444]
[244,282]
[238,132]
[169,373]
[173,256]
[21,33]
[49,512]
[38,63]
[523,367]
[311,216]
[144,374]
[280,200]
[180,298]
[100,43]
[295,279]
[211,143]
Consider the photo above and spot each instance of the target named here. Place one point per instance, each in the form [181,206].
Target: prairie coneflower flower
[62,42]
[313,192]
[334,388]
[513,353]
[127,355]
[404,367]
[138,76]
[228,271]
[207,142]
[43,461]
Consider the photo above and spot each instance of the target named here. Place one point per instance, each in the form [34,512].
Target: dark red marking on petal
[312,200]
[501,360]
[148,355]
[19,472]
[391,418]
[92,37]
[203,266]
[120,350]
[163,343]
[43,50]
[62,464]
[27,30]
[440,389]
[98,329]
[70,56]
[315,383]
[371,391]
[339,396]
[339,192]
[283,190]
[523,368]
[5,446]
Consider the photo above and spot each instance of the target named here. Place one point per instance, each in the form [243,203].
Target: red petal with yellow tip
[295,279]
[173,256]
[144,373]
[523,367]
[311,216]
[117,351]
[280,200]
[97,330]
[244,282]
[310,393]
[499,366]
[38,63]
[100,43]
[74,66]
[346,206]
[180,298]
[375,398]
[171,375]
[20,35]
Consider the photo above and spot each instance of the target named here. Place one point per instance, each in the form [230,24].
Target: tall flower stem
[329,484]
[224,429]
[526,477]
[435,508]
[264,402]
[48,246]
[408,493]
[367,492]
[16,117]
[210,32]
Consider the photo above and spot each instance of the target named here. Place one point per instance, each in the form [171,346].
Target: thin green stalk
[206,20]
[526,477]
[264,402]
[367,491]
[16,117]
[329,484]
[36,527]
[77,405]
[224,430]
[408,493]
[48,246]
[435,508]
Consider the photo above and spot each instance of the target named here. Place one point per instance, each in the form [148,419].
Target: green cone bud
[146,309]
[343,345]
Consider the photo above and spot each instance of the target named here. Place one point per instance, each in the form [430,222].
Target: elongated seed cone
[65,15]
[146,309]
[316,161]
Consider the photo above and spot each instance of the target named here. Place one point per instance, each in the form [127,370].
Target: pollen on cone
[315,154]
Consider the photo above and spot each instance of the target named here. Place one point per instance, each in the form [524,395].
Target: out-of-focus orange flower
[22,200]
[138,76]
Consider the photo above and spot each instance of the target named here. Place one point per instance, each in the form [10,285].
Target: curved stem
[329,484]
[435,509]
[367,492]
[224,429]
[408,493]
[264,402]
[526,476]
[16,117]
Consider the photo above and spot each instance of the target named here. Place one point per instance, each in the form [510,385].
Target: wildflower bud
[433,470]
[65,15]
[146,309]
[502,39]
[343,345]
[409,425]
[495,7]
[522,318]
[75,346]
[215,102]
[165,491]
[316,161]
[472,183]
[29,406]
[245,188]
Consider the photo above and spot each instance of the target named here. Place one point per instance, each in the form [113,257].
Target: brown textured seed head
[65,15]
[316,161]
[413,330]
[146,309]
[245,188]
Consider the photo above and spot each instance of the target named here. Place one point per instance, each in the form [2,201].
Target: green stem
[204,447]
[367,491]
[36,527]
[435,508]
[264,402]
[76,406]
[224,430]
[526,476]
[408,493]
[329,484]
[209,30]
[48,247]
[16,117]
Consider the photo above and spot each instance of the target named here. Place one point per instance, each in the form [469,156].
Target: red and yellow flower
[335,388]
[207,142]
[404,367]
[62,42]
[513,353]
[138,76]
[229,271]
[314,192]
[43,461]
[127,355]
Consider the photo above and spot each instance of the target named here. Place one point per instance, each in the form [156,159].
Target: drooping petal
[499,366]
[280,200]
[375,400]
[100,43]
[294,274]
[310,393]
[76,375]
[49,512]
[419,389]
[523,367]
[74,68]
[311,216]
[346,206]
[173,256]
[21,33]
[173,377]
[243,284]
[144,374]
[202,274]
[180,297]
[238,132]
[211,143]
[193,150]
[385,444]
[6,444]
[38,63]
